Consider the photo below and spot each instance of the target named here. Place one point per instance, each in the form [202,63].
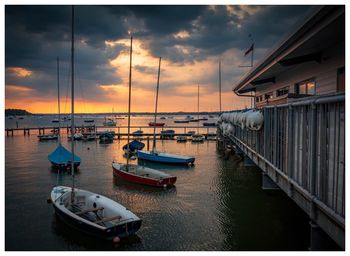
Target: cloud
[190,39]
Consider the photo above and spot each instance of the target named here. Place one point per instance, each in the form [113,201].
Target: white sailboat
[161,157]
[197,137]
[90,212]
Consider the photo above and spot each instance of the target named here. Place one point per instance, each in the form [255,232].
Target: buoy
[116,240]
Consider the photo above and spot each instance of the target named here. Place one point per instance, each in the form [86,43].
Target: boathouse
[300,147]
[308,62]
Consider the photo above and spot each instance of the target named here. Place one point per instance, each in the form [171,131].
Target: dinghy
[143,175]
[94,214]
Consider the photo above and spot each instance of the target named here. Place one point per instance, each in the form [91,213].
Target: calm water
[216,205]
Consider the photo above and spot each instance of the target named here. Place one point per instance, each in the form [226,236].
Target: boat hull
[159,158]
[152,124]
[165,182]
[123,230]
[65,166]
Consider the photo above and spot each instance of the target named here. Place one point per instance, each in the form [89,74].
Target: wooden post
[12,132]
[118,133]
[147,143]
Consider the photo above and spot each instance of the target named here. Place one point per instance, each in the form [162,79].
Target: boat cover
[134,145]
[62,156]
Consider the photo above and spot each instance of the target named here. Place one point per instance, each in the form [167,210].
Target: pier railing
[302,147]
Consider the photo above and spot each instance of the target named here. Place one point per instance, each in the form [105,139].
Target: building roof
[325,24]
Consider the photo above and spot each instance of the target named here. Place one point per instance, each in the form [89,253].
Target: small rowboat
[142,175]
[94,214]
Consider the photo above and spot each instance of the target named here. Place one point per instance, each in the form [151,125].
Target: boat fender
[116,240]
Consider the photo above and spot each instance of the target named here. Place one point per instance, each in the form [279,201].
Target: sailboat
[61,157]
[86,211]
[160,157]
[110,122]
[135,173]
[197,137]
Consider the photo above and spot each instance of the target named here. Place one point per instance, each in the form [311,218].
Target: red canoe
[155,124]
[143,175]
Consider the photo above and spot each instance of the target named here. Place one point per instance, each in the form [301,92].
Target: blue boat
[106,137]
[133,146]
[165,158]
[62,158]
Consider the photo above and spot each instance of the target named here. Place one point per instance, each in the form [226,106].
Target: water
[216,205]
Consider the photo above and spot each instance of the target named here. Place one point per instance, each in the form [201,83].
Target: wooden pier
[301,150]
[119,131]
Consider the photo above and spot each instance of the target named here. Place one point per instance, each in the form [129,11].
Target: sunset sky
[190,39]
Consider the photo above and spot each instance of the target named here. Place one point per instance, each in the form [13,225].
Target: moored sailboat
[161,157]
[135,173]
[90,212]
[197,137]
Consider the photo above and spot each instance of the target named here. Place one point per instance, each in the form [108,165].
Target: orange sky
[179,94]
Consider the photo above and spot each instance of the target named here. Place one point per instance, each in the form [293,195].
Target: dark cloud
[35,35]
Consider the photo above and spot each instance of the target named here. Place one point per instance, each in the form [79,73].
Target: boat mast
[220,86]
[155,111]
[128,148]
[72,117]
[198,110]
[58,101]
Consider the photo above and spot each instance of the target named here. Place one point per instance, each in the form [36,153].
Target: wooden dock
[119,131]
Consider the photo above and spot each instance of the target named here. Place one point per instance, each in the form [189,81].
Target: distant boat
[194,120]
[109,122]
[181,121]
[10,117]
[138,133]
[211,136]
[21,117]
[211,116]
[89,120]
[89,137]
[163,117]
[133,146]
[191,132]
[136,173]
[197,138]
[106,137]
[181,138]
[55,121]
[48,137]
[76,136]
[209,124]
[203,119]
[161,157]
[155,124]
[62,158]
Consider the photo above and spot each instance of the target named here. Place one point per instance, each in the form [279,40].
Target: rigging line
[80,87]
[68,86]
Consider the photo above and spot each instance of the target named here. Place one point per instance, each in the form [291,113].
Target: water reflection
[75,240]
[125,185]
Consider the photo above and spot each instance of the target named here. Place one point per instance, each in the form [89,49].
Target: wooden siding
[325,74]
